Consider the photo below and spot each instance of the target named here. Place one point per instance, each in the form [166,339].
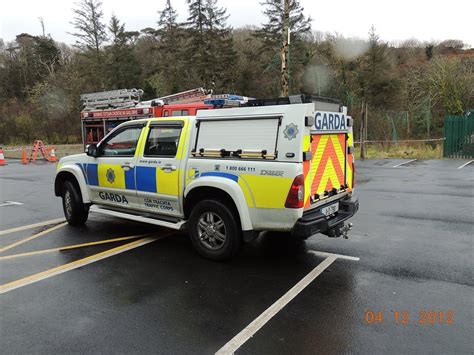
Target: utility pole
[285,50]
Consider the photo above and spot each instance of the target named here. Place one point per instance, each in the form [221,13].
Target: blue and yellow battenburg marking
[108,175]
[259,191]
[146,178]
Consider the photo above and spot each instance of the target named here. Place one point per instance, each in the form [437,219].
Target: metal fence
[459,136]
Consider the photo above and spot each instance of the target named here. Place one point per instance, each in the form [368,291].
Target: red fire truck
[103,111]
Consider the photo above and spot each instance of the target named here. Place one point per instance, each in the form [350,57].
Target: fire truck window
[166,113]
[123,143]
[179,113]
[162,141]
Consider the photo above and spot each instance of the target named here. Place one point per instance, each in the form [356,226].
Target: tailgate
[326,173]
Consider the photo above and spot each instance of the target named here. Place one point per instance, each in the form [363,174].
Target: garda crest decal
[110,175]
[290,131]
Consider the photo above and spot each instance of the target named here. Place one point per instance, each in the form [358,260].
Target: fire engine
[103,111]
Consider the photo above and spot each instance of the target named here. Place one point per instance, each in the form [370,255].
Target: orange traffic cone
[23,157]
[52,157]
[2,158]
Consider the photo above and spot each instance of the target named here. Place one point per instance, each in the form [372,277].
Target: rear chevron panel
[328,165]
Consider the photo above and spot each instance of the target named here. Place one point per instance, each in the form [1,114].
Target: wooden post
[408,124]
[362,130]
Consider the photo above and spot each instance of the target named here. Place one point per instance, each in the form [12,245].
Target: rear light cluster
[295,198]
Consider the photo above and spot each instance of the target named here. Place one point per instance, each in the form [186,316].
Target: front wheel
[214,230]
[75,211]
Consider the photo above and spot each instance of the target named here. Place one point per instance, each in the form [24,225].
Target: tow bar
[341,230]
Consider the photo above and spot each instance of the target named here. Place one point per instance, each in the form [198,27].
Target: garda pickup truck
[224,174]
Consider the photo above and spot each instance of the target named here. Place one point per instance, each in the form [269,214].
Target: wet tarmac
[410,292]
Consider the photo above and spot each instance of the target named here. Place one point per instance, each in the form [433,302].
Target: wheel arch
[76,178]
[232,195]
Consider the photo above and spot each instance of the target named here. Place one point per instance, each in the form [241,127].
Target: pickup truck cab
[225,174]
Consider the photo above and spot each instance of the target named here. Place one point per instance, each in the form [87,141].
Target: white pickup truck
[225,174]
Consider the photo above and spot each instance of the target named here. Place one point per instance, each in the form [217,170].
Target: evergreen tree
[271,32]
[91,37]
[122,67]
[210,48]
[377,85]
[169,52]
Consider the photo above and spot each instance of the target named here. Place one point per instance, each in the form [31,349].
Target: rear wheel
[214,230]
[75,211]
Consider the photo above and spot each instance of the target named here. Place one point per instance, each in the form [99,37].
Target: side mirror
[92,151]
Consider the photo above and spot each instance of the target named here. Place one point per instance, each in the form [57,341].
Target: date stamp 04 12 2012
[404,317]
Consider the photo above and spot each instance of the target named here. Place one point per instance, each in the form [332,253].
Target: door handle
[168,168]
[127,166]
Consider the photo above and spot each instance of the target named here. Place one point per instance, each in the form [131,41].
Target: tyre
[215,232]
[75,211]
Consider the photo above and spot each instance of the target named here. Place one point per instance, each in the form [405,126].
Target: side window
[162,141]
[123,143]
[177,113]
[166,113]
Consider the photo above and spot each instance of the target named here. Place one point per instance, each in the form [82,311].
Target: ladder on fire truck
[125,98]
[122,98]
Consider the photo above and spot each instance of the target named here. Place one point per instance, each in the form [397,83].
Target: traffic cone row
[24,160]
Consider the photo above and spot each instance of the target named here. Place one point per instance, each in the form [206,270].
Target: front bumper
[313,221]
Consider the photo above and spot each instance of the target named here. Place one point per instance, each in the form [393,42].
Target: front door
[158,167]
[111,176]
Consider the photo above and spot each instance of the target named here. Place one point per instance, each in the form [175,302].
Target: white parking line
[466,164]
[339,256]
[249,331]
[405,162]
[31,226]
[10,203]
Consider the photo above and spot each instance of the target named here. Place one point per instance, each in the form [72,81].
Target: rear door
[328,173]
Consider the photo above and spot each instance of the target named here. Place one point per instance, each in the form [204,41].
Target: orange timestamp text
[422,317]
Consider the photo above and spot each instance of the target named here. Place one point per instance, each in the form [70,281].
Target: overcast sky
[394,20]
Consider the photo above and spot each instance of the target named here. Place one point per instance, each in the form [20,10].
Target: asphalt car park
[402,283]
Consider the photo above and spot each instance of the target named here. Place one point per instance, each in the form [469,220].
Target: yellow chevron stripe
[329,174]
[339,150]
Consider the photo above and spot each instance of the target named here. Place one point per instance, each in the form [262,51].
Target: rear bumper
[313,221]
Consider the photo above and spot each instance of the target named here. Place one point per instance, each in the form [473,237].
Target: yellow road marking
[74,246]
[31,226]
[34,236]
[74,265]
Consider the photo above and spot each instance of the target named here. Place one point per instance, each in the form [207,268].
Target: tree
[169,33]
[210,49]
[122,67]
[286,22]
[88,21]
[91,37]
